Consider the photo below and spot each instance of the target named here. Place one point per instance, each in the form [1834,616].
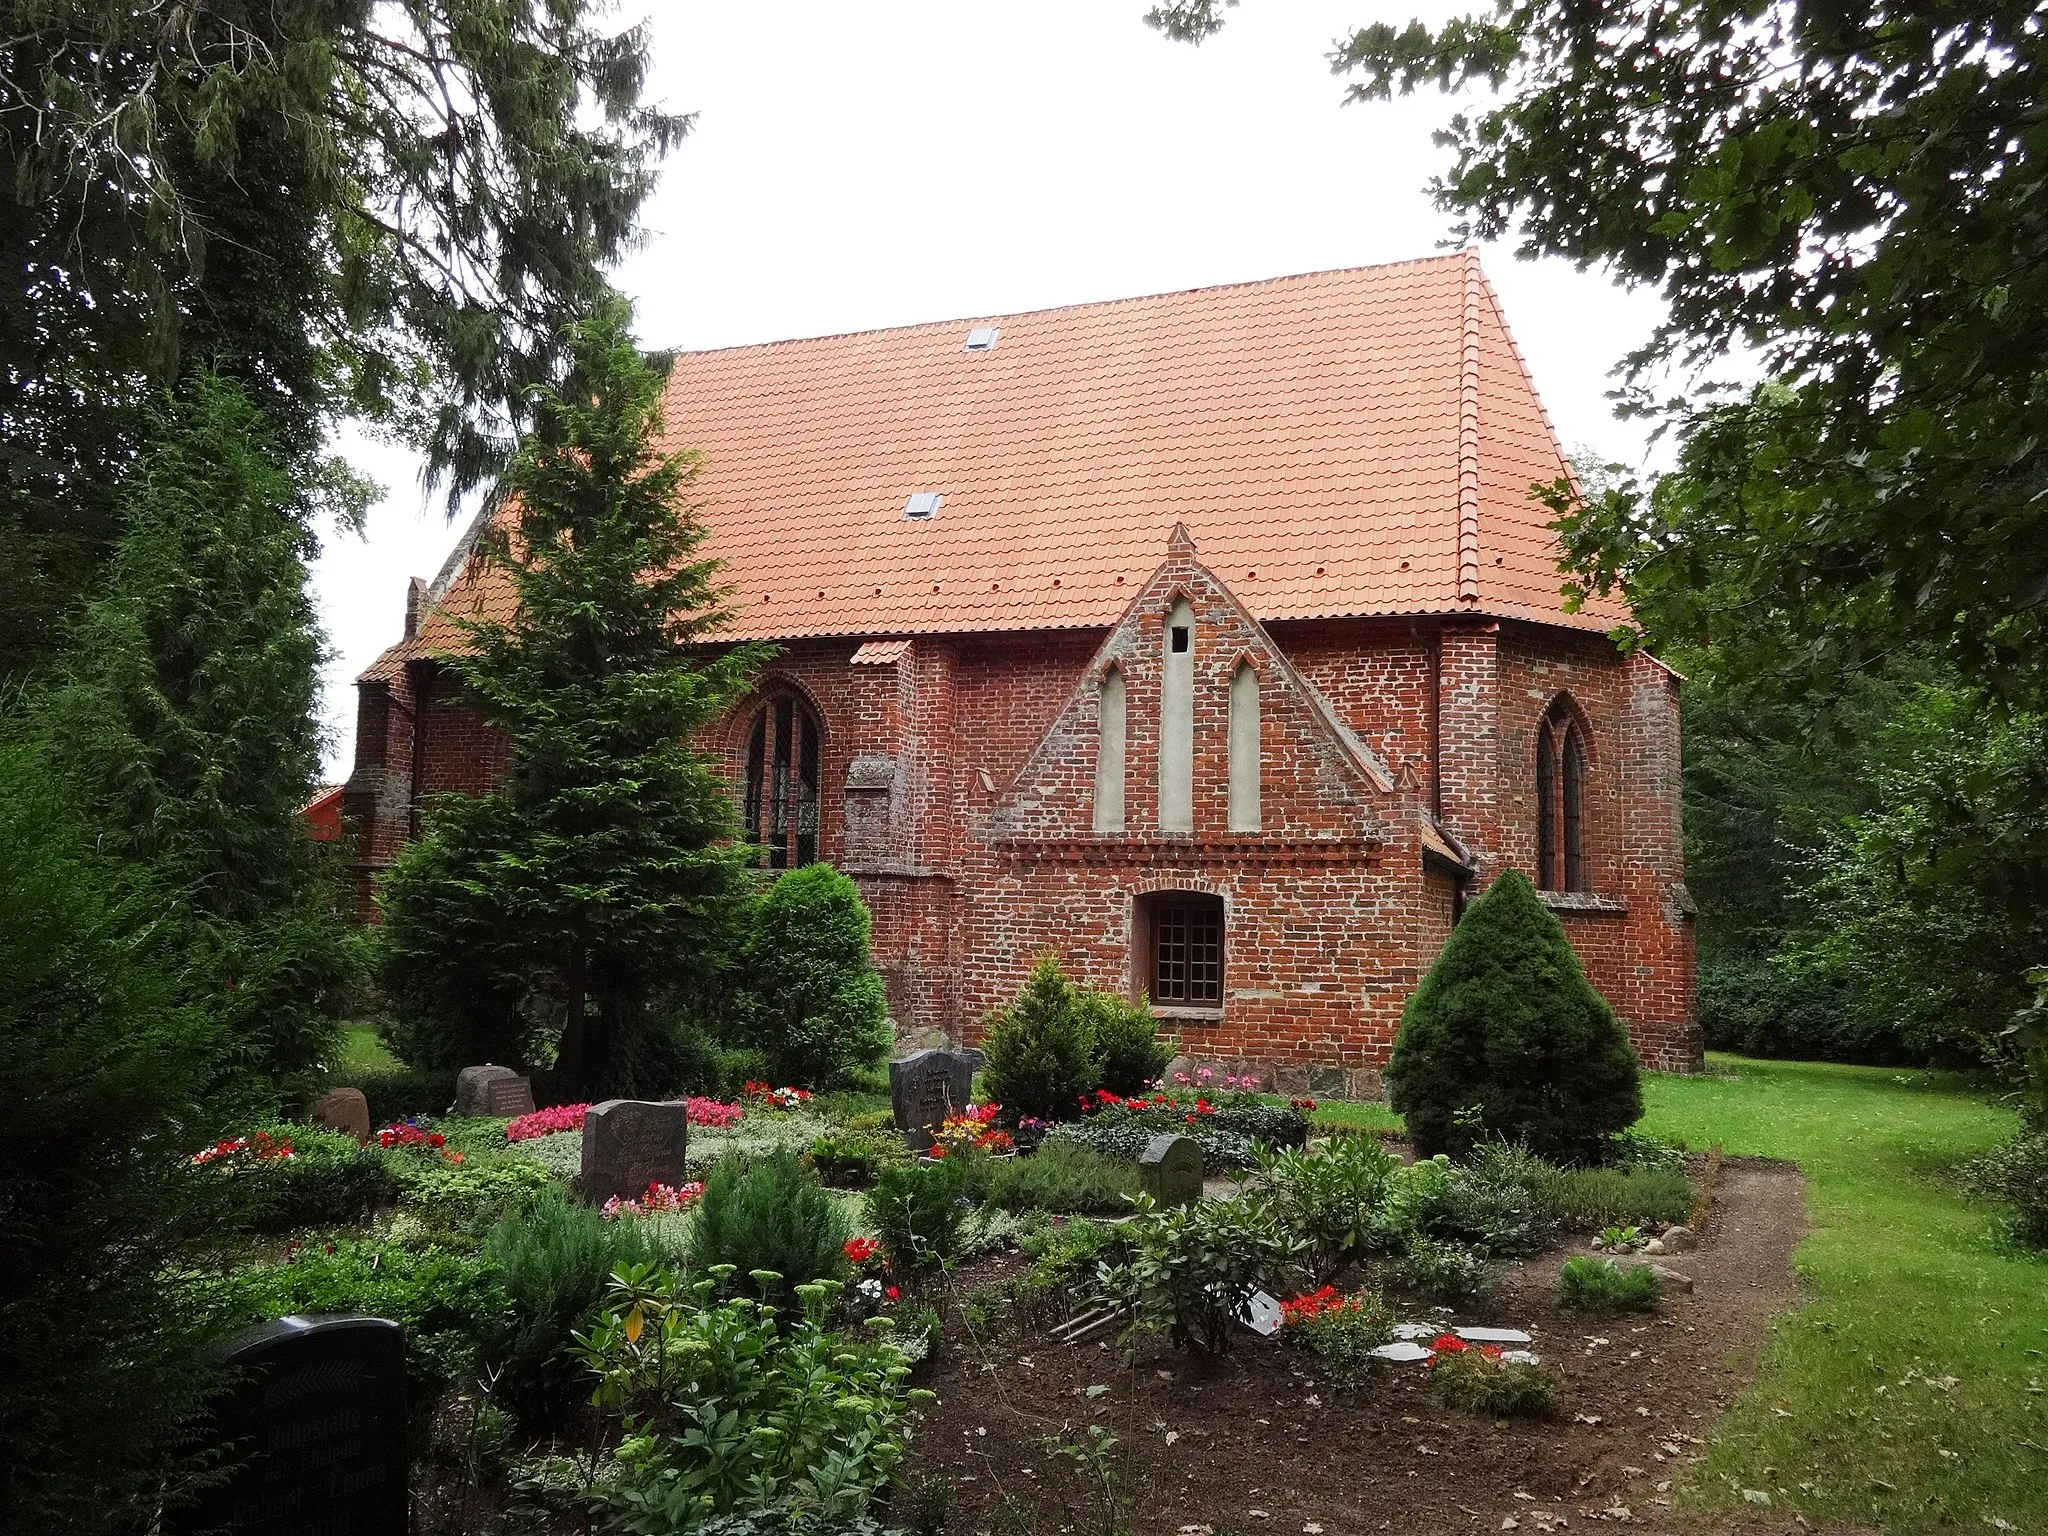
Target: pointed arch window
[1561,771]
[1109,752]
[780,798]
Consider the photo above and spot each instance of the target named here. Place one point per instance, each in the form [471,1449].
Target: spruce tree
[1505,1038]
[1040,1051]
[185,716]
[604,866]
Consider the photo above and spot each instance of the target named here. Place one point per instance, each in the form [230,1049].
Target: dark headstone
[507,1098]
[314,1427]
[1170,1168]
[629,1144]
[927,1086]
[344,1110]
[473,1088]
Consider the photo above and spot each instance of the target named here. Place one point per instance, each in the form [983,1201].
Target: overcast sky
[863,166]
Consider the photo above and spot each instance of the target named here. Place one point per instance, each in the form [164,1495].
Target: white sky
[863,166]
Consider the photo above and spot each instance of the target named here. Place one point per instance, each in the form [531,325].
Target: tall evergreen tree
[604,864]
[185,714]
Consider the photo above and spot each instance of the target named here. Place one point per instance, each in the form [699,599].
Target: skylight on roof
[923,506]
[981,339]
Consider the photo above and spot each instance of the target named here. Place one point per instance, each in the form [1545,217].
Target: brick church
[1212,640]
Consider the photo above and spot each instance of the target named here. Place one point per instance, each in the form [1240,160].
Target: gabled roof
[1339,443]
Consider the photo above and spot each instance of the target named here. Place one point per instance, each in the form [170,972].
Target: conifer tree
[1040,1051]
[185,716]
[603,866]
[815,1004]
[1505,1038]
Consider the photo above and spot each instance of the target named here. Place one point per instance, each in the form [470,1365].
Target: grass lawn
[1910,1392]
[362,1051]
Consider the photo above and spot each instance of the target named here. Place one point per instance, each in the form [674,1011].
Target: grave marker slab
[344,1110]
[926,1086]
[473,1088]
[629,1144]
[315,1428]
[1170,1168]
[507,1098]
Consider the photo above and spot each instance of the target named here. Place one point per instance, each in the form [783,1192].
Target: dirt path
[1254,1444]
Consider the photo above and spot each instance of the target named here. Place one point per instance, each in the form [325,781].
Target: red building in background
[1212,639]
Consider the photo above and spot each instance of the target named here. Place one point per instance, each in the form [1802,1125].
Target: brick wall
[972,811]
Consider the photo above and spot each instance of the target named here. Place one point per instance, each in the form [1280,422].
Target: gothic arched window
[781,792]
[1561,801]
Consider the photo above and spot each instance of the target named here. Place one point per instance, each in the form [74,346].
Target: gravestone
[473,1088]
[507,1098]
[1170,1168]
[344,1110]
[314,1427]
[629,1144]
[927,1086]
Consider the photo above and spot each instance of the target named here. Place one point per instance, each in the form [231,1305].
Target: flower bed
[660,1200]
[709,1113]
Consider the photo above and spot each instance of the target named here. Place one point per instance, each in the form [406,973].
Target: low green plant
[931,1505]
[1223,1151]
[1491,1214]
[844,1161]
[918,1211]
[1586,1199]
[731,1407]
[1637,1149]
[2017,1173]
[1445,1273]
[1601,1285]
[466,1196]
[328,1180]
[555,1260]
[1331,1198]
[1190,1268]
[1340,1331]
[1485,1382]
[981,1309]
[1621,1237]
[917,1330]
[769,1214]
[1093,1456]
[1064,1177]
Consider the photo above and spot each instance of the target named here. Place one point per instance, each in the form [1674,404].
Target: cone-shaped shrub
[1506,1038]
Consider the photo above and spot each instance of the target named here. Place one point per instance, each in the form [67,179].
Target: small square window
[1180,638]
[1184,931]
[923,506]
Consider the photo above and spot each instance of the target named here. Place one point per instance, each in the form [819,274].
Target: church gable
[1215,732]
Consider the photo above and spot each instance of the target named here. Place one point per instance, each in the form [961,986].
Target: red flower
[860,1249]
[892,1293]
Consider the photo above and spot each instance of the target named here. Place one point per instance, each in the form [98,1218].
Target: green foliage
[1588,1198]
[728,1406]
[447,1300]
[1494,1388]
[1039,1051]
[394,222]
[767,1213]
[603,868]
[1600,1285]
[814,1002]
[99,1066]
[185,714]
[1342,1335]
[1190,1266]
[464,1197]
[1129,1054]
[1332,1198]
[1125,1139]
[844,1161]
[555,1259]
[328,1180]
[1063,1177]
[918,1212]
[1448,1274]
[1505,1038]
[424,1091]
[2017,1173]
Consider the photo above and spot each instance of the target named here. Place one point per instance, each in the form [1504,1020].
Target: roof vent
[981,339]
[923,506]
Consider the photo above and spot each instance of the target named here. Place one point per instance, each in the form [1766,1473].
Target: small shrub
[1190,1266]
[1222,1151]
[1586,1199]
[2017,1173]
[466,1196]
[328,1180]
[1492,1214]
[1331,1199]
[814,1002]
[1447,1274]
[1505,1038]
[1481,1380]
[845,1161]
[917,1211]
[769,1214]
[1063,1177]
[555,1260]
[1040,1050]
[1601,1285]
[1635,1149]
[395,1095]
[1341,1331]
[1129,1054]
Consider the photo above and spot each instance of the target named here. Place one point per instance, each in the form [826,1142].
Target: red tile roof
[1339,443]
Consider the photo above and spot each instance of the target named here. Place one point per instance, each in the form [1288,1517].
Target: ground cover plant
[1601,1285]
[1481,1379]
